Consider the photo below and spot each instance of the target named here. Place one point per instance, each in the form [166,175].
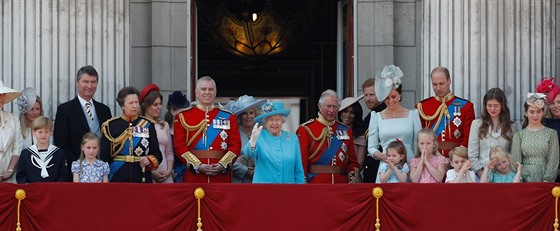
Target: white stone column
[489,43]
[45,42]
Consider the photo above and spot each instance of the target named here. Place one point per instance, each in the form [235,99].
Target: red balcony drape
[114,206]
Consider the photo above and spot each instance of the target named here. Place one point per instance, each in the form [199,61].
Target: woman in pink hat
[551,118]
[10,136]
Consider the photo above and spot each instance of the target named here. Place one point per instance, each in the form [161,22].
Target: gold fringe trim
[377,193]
[200,127]
[20,195]
[322,137]
[199,194]
[556,193]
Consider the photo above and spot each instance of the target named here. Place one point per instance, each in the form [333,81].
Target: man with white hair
[327,146]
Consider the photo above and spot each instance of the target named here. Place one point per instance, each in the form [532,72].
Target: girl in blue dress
[88,168]
[499,168]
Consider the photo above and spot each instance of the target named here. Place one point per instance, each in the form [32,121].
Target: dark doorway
[303,70]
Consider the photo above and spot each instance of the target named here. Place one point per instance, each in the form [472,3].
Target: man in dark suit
[79,115]
[371,165]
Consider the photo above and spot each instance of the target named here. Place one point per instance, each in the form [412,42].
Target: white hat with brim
[270,109]
[243,104]
[10,94]
[26,100]
[346,102]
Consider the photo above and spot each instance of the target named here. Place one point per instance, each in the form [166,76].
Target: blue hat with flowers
[389,79]
[270,109]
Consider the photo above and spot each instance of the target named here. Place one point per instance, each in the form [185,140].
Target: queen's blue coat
[278,158]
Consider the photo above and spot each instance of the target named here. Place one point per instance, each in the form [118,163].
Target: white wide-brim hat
[26,100]
[243,104]
[270,109]
[346,102]
[10,94]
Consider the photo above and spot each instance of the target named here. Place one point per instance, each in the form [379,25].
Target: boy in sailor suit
[42,162]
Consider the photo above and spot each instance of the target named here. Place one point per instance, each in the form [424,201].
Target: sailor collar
[445,98]
[323,121]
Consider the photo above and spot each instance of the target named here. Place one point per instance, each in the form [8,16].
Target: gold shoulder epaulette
[306,123]
[106,123]
[183,109]
[148,119]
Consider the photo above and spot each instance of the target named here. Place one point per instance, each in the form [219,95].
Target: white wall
[490,43]
[44,43]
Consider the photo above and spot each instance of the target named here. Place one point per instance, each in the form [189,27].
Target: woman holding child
[395,122]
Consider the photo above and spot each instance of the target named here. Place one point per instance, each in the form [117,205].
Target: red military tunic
[328,155]
[197,130]
[451,121]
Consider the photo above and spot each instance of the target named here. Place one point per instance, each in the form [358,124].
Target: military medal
[138,151]
[341,156]
[344,147]
[140,132]
[221,123]
[342,135]
[457,121]
[223,145]
[223,135]
[457,134]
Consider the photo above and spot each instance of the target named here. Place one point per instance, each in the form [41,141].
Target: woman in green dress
[536,146]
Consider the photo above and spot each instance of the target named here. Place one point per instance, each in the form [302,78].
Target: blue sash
[329,153]
[458,102]
[116,165]
[211,133]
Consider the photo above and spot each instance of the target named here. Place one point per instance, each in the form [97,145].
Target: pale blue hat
[389,79]
[26,100]
[243,104]
[270,109]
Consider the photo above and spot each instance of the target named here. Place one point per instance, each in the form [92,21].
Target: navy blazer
[70,126]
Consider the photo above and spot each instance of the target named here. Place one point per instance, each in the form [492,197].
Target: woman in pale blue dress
[395,122]
[277,152]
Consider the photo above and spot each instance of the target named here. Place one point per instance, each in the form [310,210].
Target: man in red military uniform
[327,146]
[206,138]
[448,115]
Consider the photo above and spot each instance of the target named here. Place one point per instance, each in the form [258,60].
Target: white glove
[255,134]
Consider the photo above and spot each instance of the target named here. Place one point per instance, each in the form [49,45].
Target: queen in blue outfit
[277,152]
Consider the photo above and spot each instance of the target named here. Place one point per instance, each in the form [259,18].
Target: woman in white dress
[10,136]
[395,122]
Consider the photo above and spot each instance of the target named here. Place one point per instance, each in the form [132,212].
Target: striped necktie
[88,104]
